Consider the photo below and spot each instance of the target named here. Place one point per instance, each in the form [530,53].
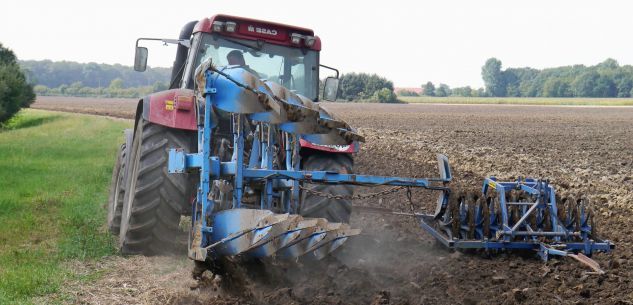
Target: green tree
[584,84]
[15,91]
[40,90]
[624,86]
[609,64]
[443,90]
[605,87]
[428,89]
[116,84]
[159,86]
[385,95]
[405,92]
[362,86]
[462,91]
[62,89]
[351,86]
[493,78]
[556,87]
[481,92]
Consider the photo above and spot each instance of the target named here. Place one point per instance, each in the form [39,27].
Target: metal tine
[330,230]
[286,239]
[282,232]
[269,227]
[312,232]
[334,239]
[242,240]
[291,237]
[337,239]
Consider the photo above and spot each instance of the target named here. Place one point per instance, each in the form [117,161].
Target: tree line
[92,79]
[606,79]
[366,87]
[53,74]
[116,88]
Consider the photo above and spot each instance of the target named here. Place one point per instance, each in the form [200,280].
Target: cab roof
[253,29]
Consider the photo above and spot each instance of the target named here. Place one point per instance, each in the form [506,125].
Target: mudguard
[173,108]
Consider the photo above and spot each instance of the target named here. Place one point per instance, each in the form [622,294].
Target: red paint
[271,32]
[160,111]
[174,108]
[184,102]
[352,148]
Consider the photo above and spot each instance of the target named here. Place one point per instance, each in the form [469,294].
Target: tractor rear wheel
[155,199]
[313,205]
[117,185]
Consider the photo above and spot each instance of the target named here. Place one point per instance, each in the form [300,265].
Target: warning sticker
[169,105]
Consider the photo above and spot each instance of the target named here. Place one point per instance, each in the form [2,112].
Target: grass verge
[548,101]
[55,170]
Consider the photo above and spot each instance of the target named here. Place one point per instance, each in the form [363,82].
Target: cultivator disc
[474,217]
[262,233]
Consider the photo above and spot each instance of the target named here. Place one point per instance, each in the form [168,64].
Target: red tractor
[146,203]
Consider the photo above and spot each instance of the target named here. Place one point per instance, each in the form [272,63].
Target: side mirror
[330,90]
[140,59]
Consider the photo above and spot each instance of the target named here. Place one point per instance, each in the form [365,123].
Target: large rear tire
[155,199]
[334,210]
[117,185]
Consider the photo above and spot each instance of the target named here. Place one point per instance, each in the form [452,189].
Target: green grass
[55,170]
[553,101]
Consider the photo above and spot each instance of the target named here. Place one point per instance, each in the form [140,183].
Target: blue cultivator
[526,214]
[248,201]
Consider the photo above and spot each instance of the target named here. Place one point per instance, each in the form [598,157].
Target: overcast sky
[409,42]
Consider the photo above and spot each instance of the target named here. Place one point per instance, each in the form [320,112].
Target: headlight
[230,26]
[217,26]
[310,40]
[296,38]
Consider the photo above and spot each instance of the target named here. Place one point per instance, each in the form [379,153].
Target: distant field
[519,100]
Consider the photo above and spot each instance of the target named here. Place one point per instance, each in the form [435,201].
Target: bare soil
[115,107]
[580,149]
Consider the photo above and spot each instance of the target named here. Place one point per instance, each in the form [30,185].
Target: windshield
[293,68]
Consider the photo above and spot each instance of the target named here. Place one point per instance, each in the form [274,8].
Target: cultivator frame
[260,232]
[538,227]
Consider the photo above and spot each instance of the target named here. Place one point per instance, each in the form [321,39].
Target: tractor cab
[283,54]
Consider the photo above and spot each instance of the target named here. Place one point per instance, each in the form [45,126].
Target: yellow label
[169,105]
[492,184]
